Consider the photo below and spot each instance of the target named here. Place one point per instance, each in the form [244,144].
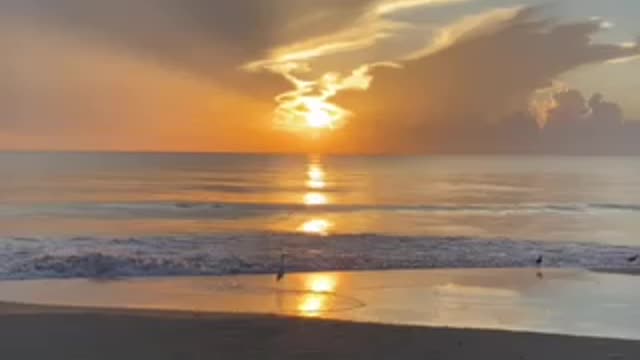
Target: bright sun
[319,119]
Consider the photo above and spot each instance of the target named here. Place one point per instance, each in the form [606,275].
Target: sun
[319,119]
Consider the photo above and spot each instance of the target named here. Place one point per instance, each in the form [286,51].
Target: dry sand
[30,332]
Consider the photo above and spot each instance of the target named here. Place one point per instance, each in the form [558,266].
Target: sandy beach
[30,332]
[402,315]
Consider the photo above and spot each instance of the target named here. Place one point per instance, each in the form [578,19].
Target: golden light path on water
[320,289]
[315,183]
[316,177]
[314,199]
[316,227]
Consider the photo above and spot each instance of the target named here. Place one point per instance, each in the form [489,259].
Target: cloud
[61,92]
[210,39]
[488,72]
[470,26]
[626,59]
[313,89]
[203,39]
[576,125]
[595,126]
[143,74]
[373,22]
[160,73]
[387,7]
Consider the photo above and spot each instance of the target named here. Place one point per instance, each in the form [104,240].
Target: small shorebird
[280,274]
[634,258]
[539,265]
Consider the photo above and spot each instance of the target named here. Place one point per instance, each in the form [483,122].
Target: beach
[58,333]
[439,314]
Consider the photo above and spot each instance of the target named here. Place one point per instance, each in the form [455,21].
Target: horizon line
[276,153]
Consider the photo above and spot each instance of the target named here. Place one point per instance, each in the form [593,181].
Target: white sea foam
[28,258]
[235,210]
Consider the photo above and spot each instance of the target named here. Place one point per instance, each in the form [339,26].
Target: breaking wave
[91,257]
[234,210]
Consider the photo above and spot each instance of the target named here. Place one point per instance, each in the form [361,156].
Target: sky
[339,76]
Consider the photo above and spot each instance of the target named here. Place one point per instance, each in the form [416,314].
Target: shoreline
[522,300]
[632,271]
[95,257]
[36,332]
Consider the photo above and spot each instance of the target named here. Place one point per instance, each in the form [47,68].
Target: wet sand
[435,314]
[559,302]
[33,332]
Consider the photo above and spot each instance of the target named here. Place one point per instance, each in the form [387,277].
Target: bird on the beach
[634,258]
[280,274]
[539,260]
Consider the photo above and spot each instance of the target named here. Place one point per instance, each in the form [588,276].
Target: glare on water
[316,226]
[319,288]
[314,199]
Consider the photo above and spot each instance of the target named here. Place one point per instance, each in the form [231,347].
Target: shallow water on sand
[550,301]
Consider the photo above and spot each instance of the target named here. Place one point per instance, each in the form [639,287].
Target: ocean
[153,214]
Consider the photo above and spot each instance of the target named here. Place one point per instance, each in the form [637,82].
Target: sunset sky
[345,76]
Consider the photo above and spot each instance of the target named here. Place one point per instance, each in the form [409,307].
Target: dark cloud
[595,126]
[206,38]
[571,106]
[446,101]
[211,38]
[575,126]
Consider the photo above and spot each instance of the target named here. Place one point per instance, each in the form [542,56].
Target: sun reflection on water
[312,305]
[315,183]
[316,227]
[316,177]
[322,283]
[315,199]
[316,172]
[317,301]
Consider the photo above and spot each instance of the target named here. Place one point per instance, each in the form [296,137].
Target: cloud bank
[461,94]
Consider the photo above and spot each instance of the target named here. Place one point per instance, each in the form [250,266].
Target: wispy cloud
[386,7]
[625,59]
[296,61]
[468,27]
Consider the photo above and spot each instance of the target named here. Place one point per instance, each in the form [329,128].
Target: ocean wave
[620,207]
[188,209]
[90,257]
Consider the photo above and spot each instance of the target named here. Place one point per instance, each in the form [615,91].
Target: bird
[634,258]
[539,260]
[280,274]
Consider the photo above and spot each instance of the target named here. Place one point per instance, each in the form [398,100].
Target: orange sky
[78,78]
